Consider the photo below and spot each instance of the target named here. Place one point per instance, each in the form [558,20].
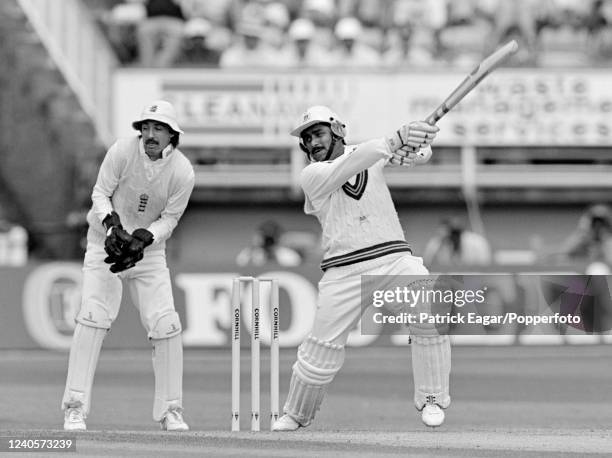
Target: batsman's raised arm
[333,163]
[321,178]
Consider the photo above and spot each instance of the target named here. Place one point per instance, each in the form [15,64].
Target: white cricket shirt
[145,194]
[351,199]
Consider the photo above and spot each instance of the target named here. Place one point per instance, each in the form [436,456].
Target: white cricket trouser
[339,302]
[148,283]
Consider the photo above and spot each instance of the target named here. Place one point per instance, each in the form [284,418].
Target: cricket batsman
[142,190]
[345,189]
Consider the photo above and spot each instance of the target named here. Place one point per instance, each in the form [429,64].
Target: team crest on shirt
[142,202]
[357,189]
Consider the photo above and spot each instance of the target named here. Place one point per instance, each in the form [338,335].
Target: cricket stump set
[273,303]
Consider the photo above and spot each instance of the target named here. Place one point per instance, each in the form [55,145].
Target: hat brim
[171,123]
[297,132]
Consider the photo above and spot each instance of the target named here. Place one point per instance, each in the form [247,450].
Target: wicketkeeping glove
[116,237]
[132,252]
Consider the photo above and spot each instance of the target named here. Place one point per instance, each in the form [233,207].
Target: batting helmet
[320,114]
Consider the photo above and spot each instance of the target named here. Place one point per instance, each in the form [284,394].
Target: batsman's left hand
[408,157]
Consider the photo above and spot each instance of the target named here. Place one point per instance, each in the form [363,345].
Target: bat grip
[433,118]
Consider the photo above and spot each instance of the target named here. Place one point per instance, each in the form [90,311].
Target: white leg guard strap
[317,364]
[84,353]
[168,369]
[431,364]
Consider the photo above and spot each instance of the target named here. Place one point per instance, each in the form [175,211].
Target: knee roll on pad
[168,325]
[94,316]
[318,361]
[168,370]
[425,328]
[84,353]
[431,364]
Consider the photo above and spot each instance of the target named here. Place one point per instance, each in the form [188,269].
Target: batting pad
[82,363]
[317,364]
[431,364]
[303,400]
[168,369]
[318,361]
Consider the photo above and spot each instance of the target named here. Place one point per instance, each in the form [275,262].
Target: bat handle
[433,118]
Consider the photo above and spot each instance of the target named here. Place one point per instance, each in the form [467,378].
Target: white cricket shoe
[74,419]
[285,423]
[432,415]
[173,421]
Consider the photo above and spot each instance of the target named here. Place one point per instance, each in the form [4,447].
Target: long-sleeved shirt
[351,199]
[145,194]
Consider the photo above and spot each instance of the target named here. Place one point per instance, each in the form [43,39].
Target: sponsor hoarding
[531,107]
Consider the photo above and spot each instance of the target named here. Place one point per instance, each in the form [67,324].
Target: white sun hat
[161,111]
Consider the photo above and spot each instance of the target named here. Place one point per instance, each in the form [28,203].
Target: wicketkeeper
[141,192]
[345,189]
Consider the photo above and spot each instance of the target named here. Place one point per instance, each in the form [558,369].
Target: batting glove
[409,158]
[412,137]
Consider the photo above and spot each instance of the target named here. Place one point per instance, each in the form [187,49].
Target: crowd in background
[354,33]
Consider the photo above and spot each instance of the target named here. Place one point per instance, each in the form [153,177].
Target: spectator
[160,34]
[121,28]
[591,241]
[405,51]
[218,16]
[216,12]
[249,50]
[266,248]
[196,49]
[351,52]
[412,38]
[516,20]
[599,25]
[301,49]
[276,21]
[322,13]
[563,37]
[453,245]
[462,40]
[375,17]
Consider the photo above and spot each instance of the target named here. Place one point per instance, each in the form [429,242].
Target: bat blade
[472,80]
